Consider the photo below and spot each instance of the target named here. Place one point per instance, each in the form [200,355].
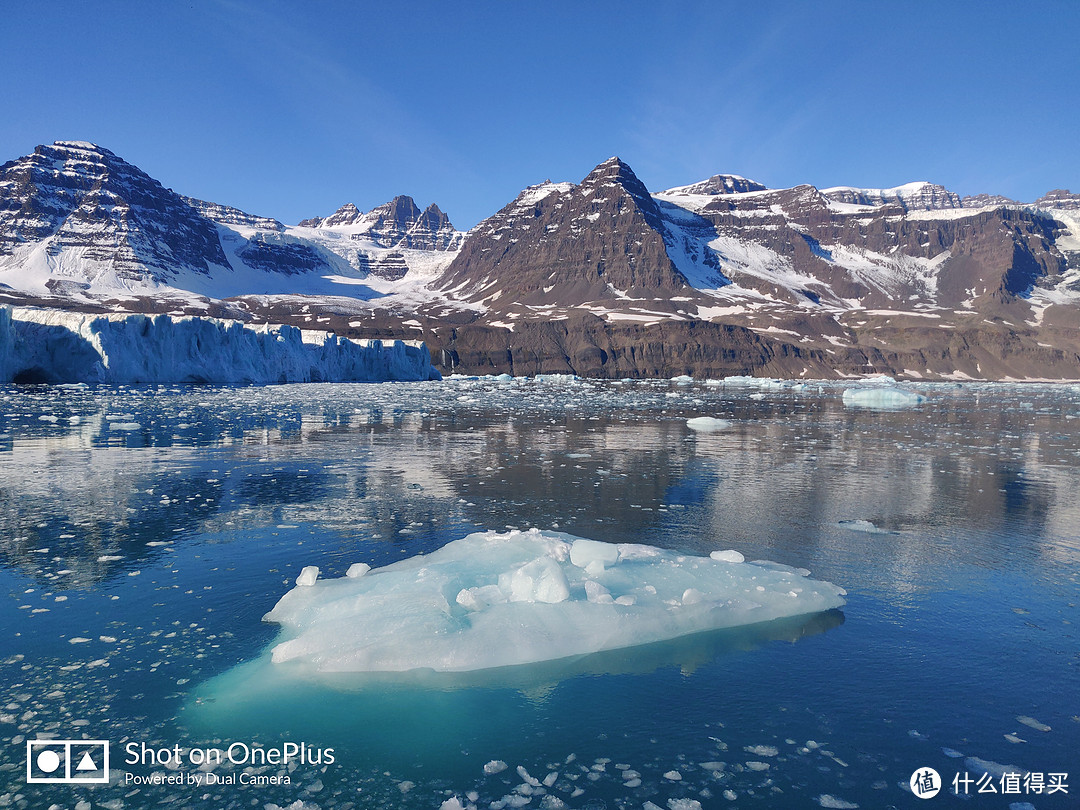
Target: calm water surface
[147,530]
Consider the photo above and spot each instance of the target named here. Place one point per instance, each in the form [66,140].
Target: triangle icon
[86,763]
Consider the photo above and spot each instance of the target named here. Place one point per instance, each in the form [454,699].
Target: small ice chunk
[583,552]
[470,600]
[541,580]
[674,776]
[527,777]
[453,803]
[684,804]
[1014,739]
[830,801]
[762,750]
[357,570]
[862,526]
[1031,722]
[495,766]
[691,596]
[879,398]
[755,765]
[707,424]
[308,575]
[595,568]
[597,593]
[729,556]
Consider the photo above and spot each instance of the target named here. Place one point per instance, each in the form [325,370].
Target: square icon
[71,761]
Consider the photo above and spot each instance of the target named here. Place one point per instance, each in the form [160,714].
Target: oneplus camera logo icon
[71,761]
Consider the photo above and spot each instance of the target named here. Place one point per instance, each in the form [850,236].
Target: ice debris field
[502,599]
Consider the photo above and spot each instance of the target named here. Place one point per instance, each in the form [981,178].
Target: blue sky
[292,109]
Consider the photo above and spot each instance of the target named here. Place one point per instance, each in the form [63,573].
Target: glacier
[492,600]
[53,346]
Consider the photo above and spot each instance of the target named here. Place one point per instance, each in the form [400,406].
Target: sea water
[147,531]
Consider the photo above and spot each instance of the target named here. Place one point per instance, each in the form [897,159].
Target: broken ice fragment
[357,570]
[308,575]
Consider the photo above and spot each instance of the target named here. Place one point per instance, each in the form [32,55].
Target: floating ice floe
[884,398]
[707,424]
[502,599]
[1031,722]
[862,526]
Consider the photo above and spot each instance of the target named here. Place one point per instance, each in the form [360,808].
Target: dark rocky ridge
[548,251]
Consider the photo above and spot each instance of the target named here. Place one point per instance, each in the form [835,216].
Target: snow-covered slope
[56,346]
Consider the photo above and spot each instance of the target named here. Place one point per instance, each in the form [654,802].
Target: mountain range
[601,278]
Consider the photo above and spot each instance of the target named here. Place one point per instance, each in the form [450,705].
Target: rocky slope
[601,277]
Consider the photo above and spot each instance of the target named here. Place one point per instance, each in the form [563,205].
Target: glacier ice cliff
[53,346]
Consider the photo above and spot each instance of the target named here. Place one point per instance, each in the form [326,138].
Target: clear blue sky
[292,109]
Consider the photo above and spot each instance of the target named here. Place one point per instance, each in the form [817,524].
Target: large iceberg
[493,600]
[38,345]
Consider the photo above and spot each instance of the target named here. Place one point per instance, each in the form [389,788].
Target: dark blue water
[147,530]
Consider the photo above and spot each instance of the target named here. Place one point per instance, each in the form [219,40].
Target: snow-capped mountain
[602,277]
[78,223]
[75,216]
[390,241]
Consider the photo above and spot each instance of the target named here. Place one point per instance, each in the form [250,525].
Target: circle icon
[925,783]
[48,761]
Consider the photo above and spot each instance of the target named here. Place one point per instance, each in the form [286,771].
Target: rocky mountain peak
[985,200]
[401,223]
[719,184]
[918,196]
[1060,198]
[613,175]
[82,199]
[348,214]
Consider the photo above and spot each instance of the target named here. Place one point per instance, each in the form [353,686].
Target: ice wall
[57,346]
[494,599]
